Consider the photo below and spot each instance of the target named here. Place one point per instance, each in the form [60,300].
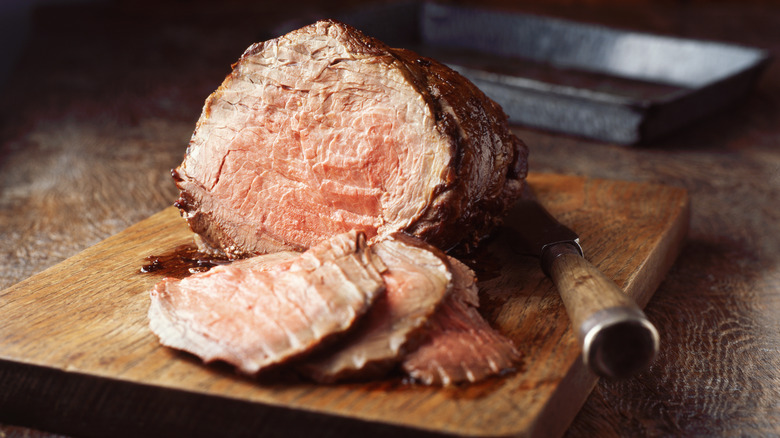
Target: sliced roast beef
[460,345]
[325,130]
[264,310]
[417,279]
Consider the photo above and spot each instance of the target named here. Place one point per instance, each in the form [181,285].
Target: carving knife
[616,337]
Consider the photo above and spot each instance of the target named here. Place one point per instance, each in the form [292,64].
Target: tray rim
[659,116]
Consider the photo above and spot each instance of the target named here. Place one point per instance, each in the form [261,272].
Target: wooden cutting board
[77,356]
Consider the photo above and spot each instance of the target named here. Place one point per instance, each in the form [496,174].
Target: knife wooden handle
[616,337]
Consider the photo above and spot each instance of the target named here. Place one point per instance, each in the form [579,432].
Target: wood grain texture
[86,318]
[105,97]
[585,288]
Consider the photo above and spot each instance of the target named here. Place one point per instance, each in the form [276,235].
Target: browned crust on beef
[473,198]
[486,173]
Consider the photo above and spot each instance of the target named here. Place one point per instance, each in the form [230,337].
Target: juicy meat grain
[265,310]
[417,280]
[460,345]
[325,130]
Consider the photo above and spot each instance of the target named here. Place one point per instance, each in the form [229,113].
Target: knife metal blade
[616,337]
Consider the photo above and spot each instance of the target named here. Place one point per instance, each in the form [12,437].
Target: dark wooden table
[105,97]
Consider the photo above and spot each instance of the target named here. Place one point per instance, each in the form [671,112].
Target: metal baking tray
[582,79]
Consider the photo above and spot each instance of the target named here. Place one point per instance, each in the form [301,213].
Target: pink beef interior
[314,136]
[461,345]
[264,310]
[417,280]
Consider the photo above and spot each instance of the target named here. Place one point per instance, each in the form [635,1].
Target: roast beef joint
[336,172]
